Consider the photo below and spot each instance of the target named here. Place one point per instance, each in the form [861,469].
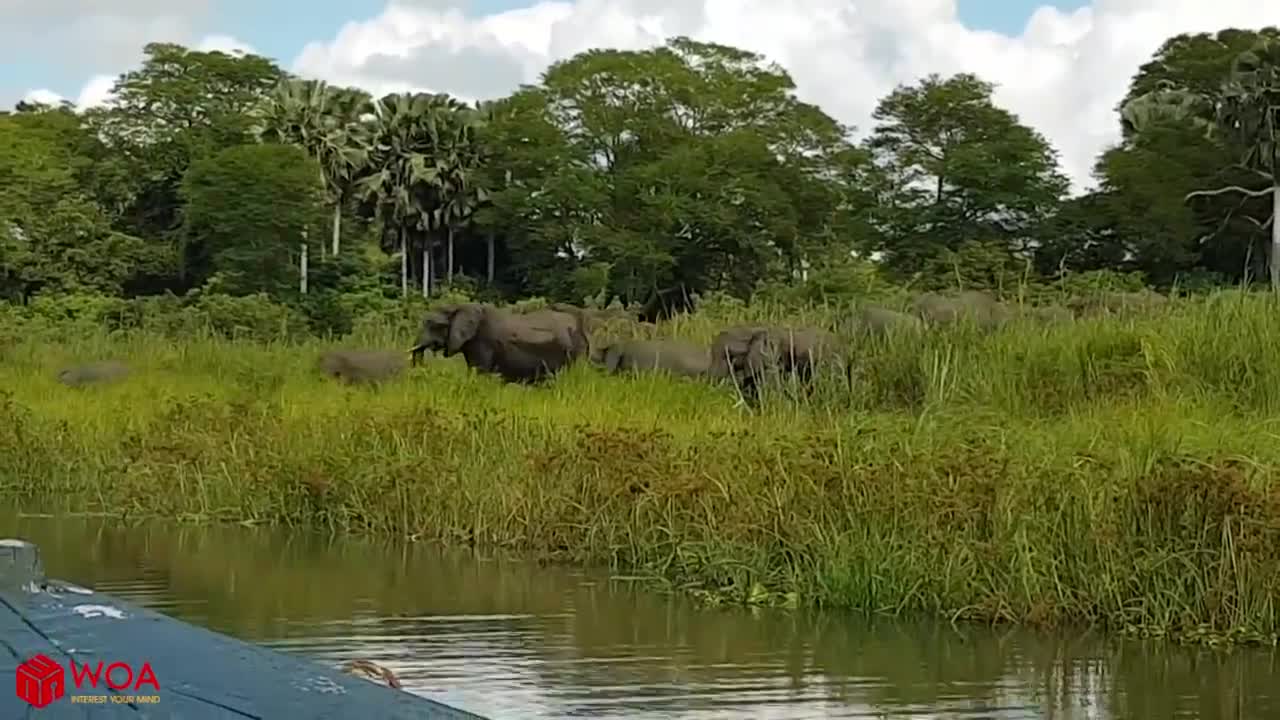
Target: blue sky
[278,29]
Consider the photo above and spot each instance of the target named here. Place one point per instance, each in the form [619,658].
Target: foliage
[52,237]
[180,106]
[248,208]
[963,171]
[689,167]
[1204,129]
[324,121]
[1050,476]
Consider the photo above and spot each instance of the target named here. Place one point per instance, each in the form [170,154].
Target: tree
[247,209]
[180,106]
[99,173]
[960,170]
[458,156]
[416,150]
[52,237]
[1239,118]
[691,166]
[324,121]
[1249,118]
[1196,63]
[542,188]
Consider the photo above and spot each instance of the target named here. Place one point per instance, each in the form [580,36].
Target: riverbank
[1111,472]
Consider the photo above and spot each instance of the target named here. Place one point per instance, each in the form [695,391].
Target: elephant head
[748,353]
[606,356]
[729,352]
[447,329]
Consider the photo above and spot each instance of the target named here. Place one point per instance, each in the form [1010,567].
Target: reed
[1111,471]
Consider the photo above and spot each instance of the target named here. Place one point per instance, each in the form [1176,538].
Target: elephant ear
[757,351]
[463,327]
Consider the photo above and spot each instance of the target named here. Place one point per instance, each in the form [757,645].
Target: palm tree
[326,122]
[392,169]
[401,180]
[459,157]
[418,173]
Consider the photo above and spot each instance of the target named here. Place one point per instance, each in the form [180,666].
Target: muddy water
[514,640]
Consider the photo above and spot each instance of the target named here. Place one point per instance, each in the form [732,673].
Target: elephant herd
[530,346]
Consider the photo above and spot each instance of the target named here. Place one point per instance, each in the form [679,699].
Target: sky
[1060,65]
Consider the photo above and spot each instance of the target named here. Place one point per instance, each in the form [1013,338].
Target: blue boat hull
[201,675]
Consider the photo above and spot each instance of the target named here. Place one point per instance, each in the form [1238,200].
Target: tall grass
[1112,471]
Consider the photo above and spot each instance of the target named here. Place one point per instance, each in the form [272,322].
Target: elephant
[667,303]
[673,356]
[971,305]
[747,353]
[1113,302]
[362,366]
[519,347]
[879,321]
[1050,314]
[593,318]
[93,372]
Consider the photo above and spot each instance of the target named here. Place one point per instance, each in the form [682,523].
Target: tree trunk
[489,259]
[337,226]
[302,265]
[426,269]
[449,253]
[1275,233]
[404,264]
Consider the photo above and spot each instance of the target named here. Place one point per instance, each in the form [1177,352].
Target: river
[510,639]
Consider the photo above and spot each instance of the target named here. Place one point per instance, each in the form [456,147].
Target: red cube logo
[40,681]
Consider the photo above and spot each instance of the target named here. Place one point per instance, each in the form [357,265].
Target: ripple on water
[515,640]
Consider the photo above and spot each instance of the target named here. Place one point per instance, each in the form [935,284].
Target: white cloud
[98,89]
[43,96]
[96,92]
[1062,75]
[99,39]
[224,43]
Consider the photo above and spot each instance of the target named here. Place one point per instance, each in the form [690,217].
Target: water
[515,640]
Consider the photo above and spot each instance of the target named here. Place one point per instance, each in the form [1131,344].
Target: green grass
[1110,471]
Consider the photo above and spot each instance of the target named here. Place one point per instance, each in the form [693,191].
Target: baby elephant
[362,366]
[879,322]
[673,356]
[94,372]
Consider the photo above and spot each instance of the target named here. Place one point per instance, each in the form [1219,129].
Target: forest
[684,170]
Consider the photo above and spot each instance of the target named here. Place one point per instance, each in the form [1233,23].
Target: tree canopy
[625,174]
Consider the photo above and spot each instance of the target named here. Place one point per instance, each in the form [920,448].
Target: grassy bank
[1111,471]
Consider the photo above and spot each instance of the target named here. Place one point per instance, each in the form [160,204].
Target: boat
[74,652]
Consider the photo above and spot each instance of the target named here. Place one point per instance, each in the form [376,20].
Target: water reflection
[514,640]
